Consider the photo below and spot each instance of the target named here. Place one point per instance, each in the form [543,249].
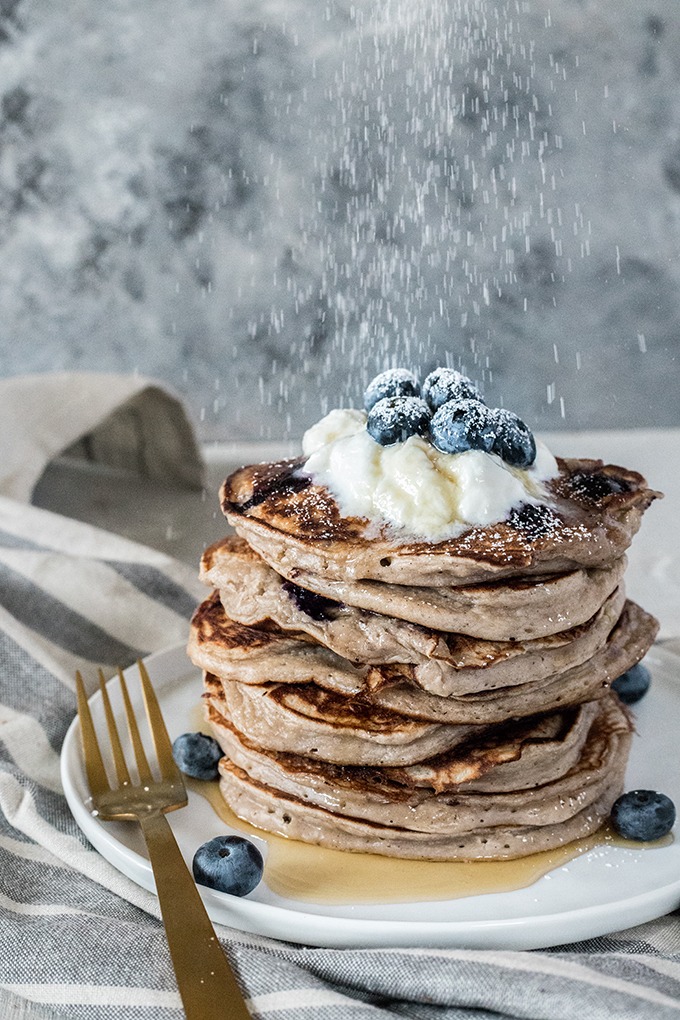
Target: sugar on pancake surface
[381,683]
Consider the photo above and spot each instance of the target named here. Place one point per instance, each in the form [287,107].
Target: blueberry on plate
[395,382]
[514,442]
[446,384]
[462,425]
[197,755]
[230,864]
[643,815]
[395,419]
[633,684]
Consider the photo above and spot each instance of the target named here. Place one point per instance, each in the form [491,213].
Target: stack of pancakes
[427,700]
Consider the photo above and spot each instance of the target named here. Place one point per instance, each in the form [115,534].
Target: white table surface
[182,523]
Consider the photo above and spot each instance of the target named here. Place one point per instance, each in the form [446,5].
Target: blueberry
[394,419]
[514,441]
[643,815]
[318,607]
[462,425]
[594,486]
[230,864]
[446,384]
[395,382]
[533,519]
[633,684]
[197,755]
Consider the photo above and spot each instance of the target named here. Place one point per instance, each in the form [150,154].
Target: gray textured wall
[264,202]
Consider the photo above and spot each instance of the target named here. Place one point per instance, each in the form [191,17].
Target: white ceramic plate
[604,890]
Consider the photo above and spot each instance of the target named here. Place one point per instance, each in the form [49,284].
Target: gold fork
[205,980]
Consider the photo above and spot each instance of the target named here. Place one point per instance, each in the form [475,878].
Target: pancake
[252,655]
[510,610]
[379,796]
[256,654]
[371,814]
[445,663]
[627,644]
[297,527]
[307,720]
[519,754]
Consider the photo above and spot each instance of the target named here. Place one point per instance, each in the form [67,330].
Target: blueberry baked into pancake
[411,637]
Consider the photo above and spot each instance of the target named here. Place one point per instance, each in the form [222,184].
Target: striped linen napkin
[79,940]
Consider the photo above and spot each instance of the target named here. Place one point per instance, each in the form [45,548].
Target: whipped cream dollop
[412,485]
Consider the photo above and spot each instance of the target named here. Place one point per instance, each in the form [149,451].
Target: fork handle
[205,979]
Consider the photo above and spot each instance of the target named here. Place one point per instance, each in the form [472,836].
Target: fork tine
[116,749]
[158,729]
[145,774]
[94,765]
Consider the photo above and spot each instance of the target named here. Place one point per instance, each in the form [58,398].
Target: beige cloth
[120,420]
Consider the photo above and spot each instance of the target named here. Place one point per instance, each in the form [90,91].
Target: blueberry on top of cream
[446,384]
[394,382]
[394,419]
